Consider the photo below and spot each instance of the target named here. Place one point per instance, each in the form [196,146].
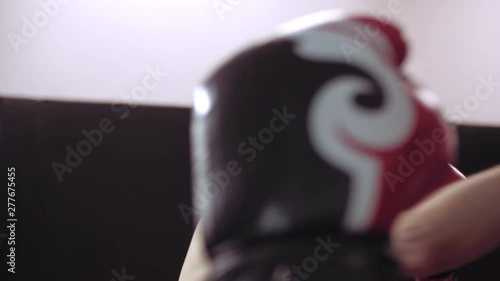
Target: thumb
[454,226]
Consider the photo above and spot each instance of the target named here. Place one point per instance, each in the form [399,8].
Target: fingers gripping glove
[305,148]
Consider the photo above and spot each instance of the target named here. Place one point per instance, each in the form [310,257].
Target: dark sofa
[105,206]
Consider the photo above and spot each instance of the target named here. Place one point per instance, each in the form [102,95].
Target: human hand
[455,225]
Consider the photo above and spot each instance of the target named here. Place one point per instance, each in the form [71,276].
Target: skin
[454,226]
[197,265]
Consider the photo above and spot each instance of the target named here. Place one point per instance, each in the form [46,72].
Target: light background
[97,50]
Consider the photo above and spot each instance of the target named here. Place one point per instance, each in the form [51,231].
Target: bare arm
[197,265]
[456,225]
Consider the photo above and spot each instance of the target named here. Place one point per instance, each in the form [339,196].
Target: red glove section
[415,169]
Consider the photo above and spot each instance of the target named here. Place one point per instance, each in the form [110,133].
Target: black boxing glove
[305,148]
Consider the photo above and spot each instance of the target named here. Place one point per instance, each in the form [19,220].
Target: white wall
[98,50]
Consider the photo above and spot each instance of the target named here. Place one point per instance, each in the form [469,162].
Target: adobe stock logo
[94,137]
[311,263]
[364,35]
[222,7]
[217,181]
[485,88]
[416,158]
[123,276]
[40,19]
